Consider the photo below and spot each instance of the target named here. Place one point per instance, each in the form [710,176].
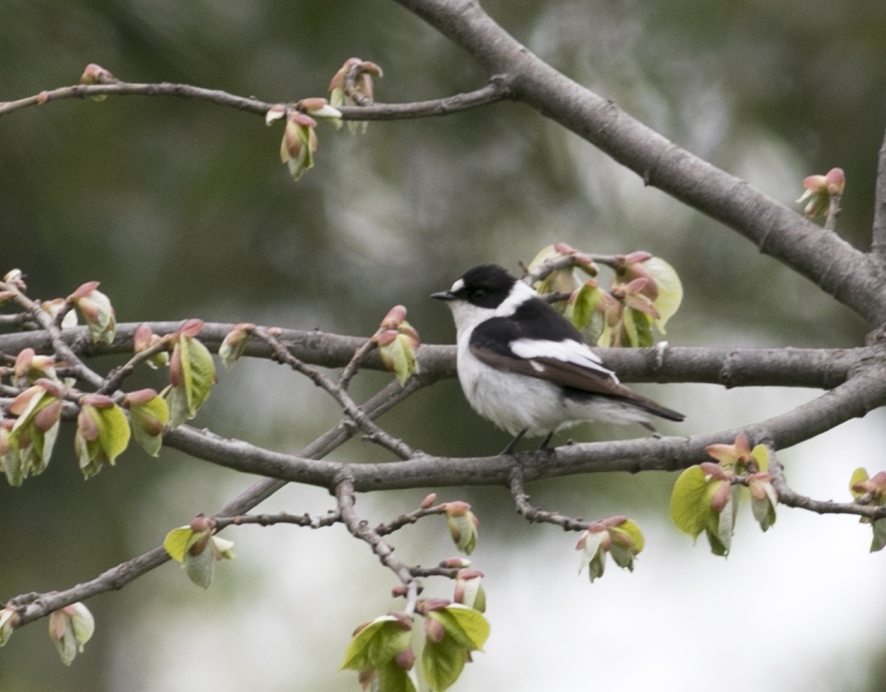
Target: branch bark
[862,393]
[730,367]
[878,244]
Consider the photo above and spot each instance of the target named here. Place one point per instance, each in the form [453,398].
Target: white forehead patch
[457,286]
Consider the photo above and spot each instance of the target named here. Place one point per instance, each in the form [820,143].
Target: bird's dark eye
[478,292]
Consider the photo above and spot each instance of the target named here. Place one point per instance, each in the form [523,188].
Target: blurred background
[181,209]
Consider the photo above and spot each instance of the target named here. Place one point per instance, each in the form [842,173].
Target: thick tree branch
[878,243]
[852,277]
[730,367]
[865,390]
[856,397]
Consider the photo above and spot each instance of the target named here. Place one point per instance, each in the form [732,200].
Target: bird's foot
[544,445]
[513,443]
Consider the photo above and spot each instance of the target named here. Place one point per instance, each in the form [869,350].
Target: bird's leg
[544,445]
[513,443]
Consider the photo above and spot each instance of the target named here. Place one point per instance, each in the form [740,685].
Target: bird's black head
[486,286]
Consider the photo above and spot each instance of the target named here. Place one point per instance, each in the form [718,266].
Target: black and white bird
[524,367]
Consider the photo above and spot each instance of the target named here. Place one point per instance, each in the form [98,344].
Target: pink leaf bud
[406,658]
[721,496]
[139,397]
[455,563]
[96,74]
[275,112]
[434,630]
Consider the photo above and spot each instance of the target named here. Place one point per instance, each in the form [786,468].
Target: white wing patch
[568,351]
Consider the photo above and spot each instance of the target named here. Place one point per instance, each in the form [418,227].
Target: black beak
[443,295]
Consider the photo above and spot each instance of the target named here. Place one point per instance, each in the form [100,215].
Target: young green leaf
[593,555]
[393,678]
[200,568]
[397,340]
[465,625]
[690,507]
[299,143]
[70,628]
[178,541]
[583,304]
[463,525]
[377,643]
[191,373]
[721,526]
[858,477]
[670,290]
[442,663]
[234,344]
[148,415]
[197,549]
[8,620]
[26,446]
[97,312]
[638,327]
[879,540]
[764,499]
[102,433]
[469,589]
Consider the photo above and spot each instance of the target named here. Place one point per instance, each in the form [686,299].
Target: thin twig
[116,377]
[408,518]
[788,497]
[359,528]
[328,519]
[492,92]
[17,320]
[448,572]
[533,514]
[374,433]
[830,222]
[354,364]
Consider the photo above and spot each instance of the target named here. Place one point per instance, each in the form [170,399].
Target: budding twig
[358,415]
[330,518]
[788,497]
[354,364]
[408,518]
[492,92]
[62,350]
[359,528]
[116,377]
[533,514]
